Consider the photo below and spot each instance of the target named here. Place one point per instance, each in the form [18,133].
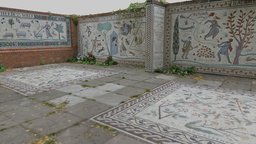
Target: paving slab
[108,79]
[52,124]
[16,104]
[87,109]
[145,85]
[125,82]
[90,93]
[23,114]
[138,77]
[8,95]
[211,77]
[48,95]
[16,135]
[93,83]
[110,87]
[208,83]
[124,139]
[237,83]
[84,133]
[5,122]
[166,77]
[188,80]
[69,99]
[72,89]
[157,81]
[130,91]
[111,99]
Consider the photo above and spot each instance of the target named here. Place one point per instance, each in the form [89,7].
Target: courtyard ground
[32,109]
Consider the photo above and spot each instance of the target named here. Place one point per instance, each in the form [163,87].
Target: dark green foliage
[75,19]
[72,60]
[163,2]
[2,68]
[176,40]
[136,7]
[89,59]
[159,70]
[175,69]
[110,61]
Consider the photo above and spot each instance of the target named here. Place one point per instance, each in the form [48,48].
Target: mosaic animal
[8,35]
[21,34]
[24,25]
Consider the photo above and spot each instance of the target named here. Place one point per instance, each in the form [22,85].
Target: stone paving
[64,112]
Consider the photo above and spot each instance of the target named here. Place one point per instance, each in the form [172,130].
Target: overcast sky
[80,7]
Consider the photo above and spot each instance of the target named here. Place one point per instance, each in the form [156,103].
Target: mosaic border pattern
[26,89]
[149,37]
[158,133]
[110,17]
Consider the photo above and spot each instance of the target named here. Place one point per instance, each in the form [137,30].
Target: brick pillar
[74,37]
[155,15]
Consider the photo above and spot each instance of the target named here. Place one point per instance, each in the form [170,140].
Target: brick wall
[30,56]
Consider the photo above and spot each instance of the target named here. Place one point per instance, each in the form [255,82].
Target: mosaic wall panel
[123,39]
[212,35]
[22,29]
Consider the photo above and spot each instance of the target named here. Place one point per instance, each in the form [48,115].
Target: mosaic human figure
[88,30]
[47,30]
[94,44]
[187,46]
[113,43]
[123,48]
[224,47]
[214,29]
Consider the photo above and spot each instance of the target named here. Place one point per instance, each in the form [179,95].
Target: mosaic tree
[11,22]
[241,29]
[176,40]
[104,28]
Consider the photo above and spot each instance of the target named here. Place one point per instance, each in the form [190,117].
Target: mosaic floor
[175,113]
[35,80]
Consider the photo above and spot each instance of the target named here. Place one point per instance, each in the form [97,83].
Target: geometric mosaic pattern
[31,81]
[175,113]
